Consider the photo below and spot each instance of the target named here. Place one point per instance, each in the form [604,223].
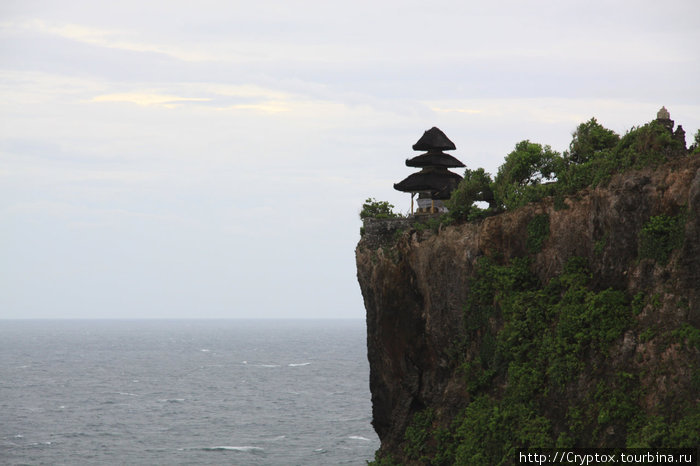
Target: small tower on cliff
[663,117]
[434,183]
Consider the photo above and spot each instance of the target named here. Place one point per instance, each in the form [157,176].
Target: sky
[209,159]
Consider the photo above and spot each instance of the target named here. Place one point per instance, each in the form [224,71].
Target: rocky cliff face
[639,235]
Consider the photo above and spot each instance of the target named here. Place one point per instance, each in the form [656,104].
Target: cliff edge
[569,323]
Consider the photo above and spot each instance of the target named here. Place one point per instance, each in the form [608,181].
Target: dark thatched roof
[439,182]
[434,140]
[434,159]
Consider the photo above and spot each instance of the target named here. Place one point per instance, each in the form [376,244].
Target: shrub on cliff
[373,208]
[647,145]
[589,139]
[589,159]
[596,153]
[660,235]
[520,179]
[695,146]
[475,187]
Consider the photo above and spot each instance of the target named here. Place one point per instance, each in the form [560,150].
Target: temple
[663,117]
[434,183]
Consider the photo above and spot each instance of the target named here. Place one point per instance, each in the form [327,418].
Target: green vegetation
[383,460]
[648,145]
[519,179]
[660,235]
[417,435]
[695,146]
[373,208]
[537,232]
[533,171]
[433,223]
[688,335]
[589,140]
[547,346]
[476,187]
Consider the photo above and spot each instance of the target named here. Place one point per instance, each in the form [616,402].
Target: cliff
[569,323]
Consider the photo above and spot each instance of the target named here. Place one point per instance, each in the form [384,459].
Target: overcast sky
[169,159]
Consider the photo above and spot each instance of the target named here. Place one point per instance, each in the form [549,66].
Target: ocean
[189,392]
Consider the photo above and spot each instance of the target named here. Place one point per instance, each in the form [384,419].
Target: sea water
[192,392]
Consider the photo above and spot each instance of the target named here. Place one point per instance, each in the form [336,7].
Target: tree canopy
[519,179]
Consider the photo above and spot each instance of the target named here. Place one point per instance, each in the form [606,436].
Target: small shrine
[434,183]
[663,117]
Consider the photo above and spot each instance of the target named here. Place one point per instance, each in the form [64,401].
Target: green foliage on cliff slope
[660,235]
[537,232]
[540,367]
[533,171]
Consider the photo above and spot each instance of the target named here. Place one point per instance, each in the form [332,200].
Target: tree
[475,187]
[519,179]
[590,138]
[695,146]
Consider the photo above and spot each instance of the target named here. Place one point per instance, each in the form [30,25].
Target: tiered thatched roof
[434,179]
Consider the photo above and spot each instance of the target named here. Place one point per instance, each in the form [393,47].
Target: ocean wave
[40,444]
[247,449]
[299,364]
[359,437]
[246,363]
[171,400]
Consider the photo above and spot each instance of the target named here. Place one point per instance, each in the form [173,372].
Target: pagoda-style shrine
[434,183]
[663,117]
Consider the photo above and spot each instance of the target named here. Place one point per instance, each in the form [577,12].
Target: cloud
[109,38]
[146,99]
[455,109]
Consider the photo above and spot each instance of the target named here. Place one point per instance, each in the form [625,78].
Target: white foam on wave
[204,350]
[227,448]
[299,364]
[171,400]
[359,437]
[126,394]
[245,363]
